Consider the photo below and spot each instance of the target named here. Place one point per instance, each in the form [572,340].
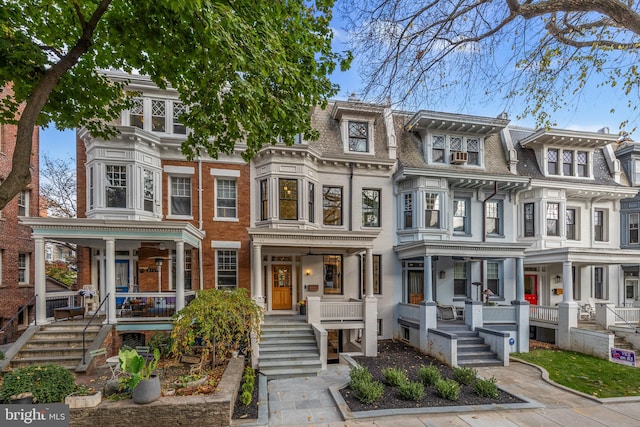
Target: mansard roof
[528,165]
[411,153]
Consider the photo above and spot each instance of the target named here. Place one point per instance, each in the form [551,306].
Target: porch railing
[61,299]
[408,311]
[543,313]
[338,311]
[627,315]
[148,304]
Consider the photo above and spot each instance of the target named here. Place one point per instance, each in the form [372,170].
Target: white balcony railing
[339,311]
[627,315]
[543,313]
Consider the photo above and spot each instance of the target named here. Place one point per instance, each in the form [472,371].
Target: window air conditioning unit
[458,157]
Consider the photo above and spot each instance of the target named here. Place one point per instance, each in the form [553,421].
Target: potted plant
[303,307]
[140,380]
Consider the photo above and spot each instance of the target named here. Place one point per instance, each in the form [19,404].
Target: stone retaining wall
[205,410]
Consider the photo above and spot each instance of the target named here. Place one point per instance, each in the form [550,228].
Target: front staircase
[59,343]
[472,350]
[288,348]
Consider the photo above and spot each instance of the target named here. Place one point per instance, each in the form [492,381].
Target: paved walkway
[308,402]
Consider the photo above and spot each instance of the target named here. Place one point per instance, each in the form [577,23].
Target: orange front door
[281,287]
[531,288]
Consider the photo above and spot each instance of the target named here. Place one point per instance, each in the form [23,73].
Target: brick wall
[15,238]
[203,410]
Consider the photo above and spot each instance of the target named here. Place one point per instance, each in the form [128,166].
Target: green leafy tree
[249,69]
[543,51]
[217,320]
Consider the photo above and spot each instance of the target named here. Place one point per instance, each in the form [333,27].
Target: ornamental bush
[449,389]
[411,390]
[367,391]
[429,374]
[48,383]
[464,375]
[395,376]
[486,388]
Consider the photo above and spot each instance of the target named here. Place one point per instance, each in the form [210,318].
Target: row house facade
[570,216]
[16,246]
[152,228]
[376,226]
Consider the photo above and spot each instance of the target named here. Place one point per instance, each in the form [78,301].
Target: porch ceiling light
[308,272]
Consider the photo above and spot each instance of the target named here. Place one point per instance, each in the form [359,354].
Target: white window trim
[216,267]
[215,201]
[147,115]
[428,154]
[27,262]
[574,166]
[344,132]
[27,201]
[225,244]
[169,214]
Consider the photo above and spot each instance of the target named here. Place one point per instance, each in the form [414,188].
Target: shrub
[245,398]
[162,341]
[429,374]
[411,390]
[448,389]
[464,376]
[1,355]
[486,388]
[359,373]
[366,391]
[248,382]
[48,383]
[395,376]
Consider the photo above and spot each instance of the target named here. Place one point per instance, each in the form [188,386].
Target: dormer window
[455,150]
[552,162]
[136,114]
[574,163]
[359,137]
[158,115]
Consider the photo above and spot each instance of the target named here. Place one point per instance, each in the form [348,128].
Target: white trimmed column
[110,270]
[179,275]
[40,282]
[256,273]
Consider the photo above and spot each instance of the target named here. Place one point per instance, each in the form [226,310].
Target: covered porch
[134,270]
[329,275]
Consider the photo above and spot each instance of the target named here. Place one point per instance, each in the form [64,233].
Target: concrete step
[289,357]
[470,340]
[278,373]
[45,343]
[480,362]
[467,355]
[288,349]
[284,363]
[277,335]
[69,362]
[62,335]
[472,348]
[49,352]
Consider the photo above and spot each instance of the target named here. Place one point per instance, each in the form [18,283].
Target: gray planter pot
[147,391]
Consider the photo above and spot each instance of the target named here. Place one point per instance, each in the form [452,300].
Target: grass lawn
[588,374]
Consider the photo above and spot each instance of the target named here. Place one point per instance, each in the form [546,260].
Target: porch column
[520,279]
[567,309]
[40,282]
[256,273]
[179,275]
[110,270]
[428,285]
[368,274]
[567,282]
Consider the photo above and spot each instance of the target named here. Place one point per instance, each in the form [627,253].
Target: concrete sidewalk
[308,402]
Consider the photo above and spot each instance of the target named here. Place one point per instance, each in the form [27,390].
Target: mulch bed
[398,355]
[250,411]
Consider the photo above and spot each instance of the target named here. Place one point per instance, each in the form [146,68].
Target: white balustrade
[543,313]
[341,311]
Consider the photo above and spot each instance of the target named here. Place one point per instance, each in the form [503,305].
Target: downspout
[200,224]
[484,210]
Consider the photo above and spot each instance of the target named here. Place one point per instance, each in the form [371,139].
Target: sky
[590,113]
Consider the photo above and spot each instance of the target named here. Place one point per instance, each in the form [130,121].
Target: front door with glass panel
[281,287]
[630,291]
[531,288]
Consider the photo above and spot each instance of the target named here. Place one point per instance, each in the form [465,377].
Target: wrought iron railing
[4,331]
[105,302]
